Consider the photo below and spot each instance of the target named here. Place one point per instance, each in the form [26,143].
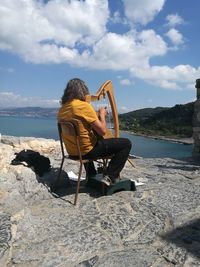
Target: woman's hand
[100,125]
[103,112]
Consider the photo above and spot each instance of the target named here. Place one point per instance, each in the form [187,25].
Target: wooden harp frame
[107,89]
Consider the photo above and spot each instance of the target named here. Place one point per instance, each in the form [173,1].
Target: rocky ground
[157,225]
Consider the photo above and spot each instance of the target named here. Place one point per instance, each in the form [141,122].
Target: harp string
[104,102]
[106,91]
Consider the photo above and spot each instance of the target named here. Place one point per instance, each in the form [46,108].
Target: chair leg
[78,183]
[131,162]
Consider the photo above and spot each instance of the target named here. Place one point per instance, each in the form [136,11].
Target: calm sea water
[47,128]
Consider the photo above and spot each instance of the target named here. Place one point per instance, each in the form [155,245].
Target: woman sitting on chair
[92,125]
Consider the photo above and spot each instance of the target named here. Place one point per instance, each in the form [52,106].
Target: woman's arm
[99,126]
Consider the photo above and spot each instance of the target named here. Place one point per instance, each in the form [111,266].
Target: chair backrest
[70,128]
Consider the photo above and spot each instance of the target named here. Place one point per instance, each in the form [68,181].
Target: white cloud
[53,33]
[152,44]
[175,36]
[116,18]
[124,109]
[174,19]
[179,77]
[126,82]
[122,52]
[113,51]
[73,21]
[142,11]
[35,30]
[10,99]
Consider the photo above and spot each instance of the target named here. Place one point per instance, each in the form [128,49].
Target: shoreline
[184,141]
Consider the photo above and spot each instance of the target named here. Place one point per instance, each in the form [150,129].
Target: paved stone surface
[158,225]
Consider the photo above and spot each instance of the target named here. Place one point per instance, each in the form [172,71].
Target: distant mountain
[29,112]
[175,121]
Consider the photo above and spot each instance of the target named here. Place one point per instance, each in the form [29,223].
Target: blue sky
[149,49]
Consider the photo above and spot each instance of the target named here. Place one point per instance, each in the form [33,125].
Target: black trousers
[118,148]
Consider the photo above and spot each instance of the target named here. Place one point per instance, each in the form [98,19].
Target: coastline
[184,141]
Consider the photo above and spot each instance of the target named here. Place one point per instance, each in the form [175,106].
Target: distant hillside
[29,112]
[175,121]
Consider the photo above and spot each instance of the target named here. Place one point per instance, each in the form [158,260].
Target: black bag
[41,164]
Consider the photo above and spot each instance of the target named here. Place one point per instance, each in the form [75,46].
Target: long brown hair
[75,89]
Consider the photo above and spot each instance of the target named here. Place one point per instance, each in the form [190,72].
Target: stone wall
[196,123]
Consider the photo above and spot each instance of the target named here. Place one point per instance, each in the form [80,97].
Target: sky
[149,49]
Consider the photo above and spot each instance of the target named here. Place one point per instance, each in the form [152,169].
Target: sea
[47,128]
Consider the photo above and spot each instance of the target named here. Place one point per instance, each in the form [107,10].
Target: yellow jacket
[83,111]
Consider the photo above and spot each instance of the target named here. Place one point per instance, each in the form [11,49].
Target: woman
[74,106]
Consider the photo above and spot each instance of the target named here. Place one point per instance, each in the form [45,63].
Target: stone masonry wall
[196,123]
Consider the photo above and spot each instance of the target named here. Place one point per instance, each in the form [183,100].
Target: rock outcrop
[157,225]
[196,123]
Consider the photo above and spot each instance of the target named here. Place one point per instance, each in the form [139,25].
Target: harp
[106,90]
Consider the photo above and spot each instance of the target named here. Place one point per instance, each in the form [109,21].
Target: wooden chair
[71,128]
